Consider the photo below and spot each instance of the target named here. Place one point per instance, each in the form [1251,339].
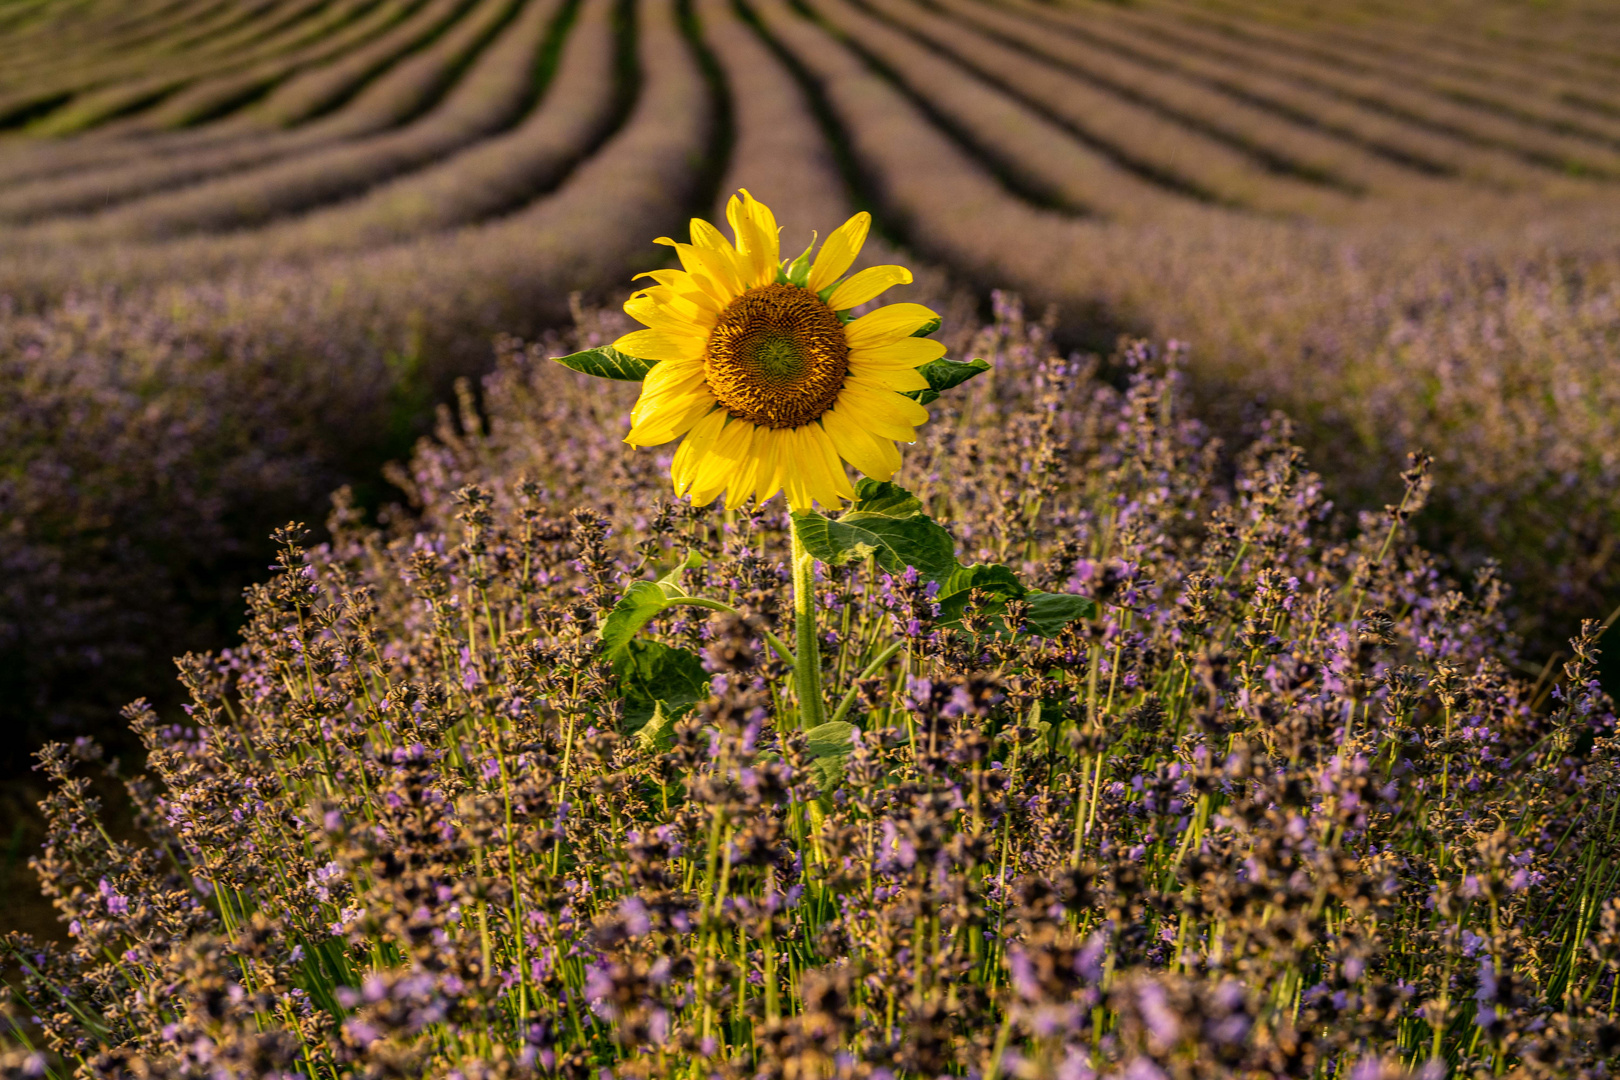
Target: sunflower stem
[807,670]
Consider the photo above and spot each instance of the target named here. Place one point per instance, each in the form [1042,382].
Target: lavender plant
[1278,808]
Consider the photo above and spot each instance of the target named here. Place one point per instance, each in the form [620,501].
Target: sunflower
[760,368]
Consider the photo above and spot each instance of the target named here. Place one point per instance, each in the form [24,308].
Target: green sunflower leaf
[641,602]
[608,363]
[830,746]
[887,523]
[1049,612]
[830,739]
[896,542]
[650,672]
[883,497]
[943,375]
[928,328]
[657,731]
[992,578]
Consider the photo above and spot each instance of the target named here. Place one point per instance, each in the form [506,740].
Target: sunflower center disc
[777,357]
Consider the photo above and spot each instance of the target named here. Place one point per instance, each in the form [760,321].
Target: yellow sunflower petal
[887,325]
[743,477]
[771,447]
[690,302]
[829,483]
[838,253]
[661,345]
[882,412]
[671,377]
[717,464]
[670,423]
[683,468]
[900,379]
[669,315]
[709,238]
[715,272]
[756,239]
[866,285]
[796,483]
[859,447]
[670,392]
[908,352]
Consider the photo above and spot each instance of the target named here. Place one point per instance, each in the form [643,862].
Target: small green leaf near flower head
[798,271]
[943,375]
[885,497]
[607,362]
[928,327]
[887,523]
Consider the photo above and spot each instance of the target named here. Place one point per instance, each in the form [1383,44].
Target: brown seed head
[777,357]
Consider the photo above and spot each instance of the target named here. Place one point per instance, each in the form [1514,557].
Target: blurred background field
[246,248]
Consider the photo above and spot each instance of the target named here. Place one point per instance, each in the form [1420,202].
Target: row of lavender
[1279,810]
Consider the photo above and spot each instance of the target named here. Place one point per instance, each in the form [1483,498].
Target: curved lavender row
[40,77]
[263,173]
[1545,149]
[1231,68]
[948,205]
[349,76]
[1275,142]
[494,176]
[328,34]
[266,387]
[135,25]
[486,100]
[1182,159]
[1376,52]
[372,108]
[1049,160]
[780,155]
[155,78]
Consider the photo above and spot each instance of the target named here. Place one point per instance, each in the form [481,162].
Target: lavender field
[1209,683]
